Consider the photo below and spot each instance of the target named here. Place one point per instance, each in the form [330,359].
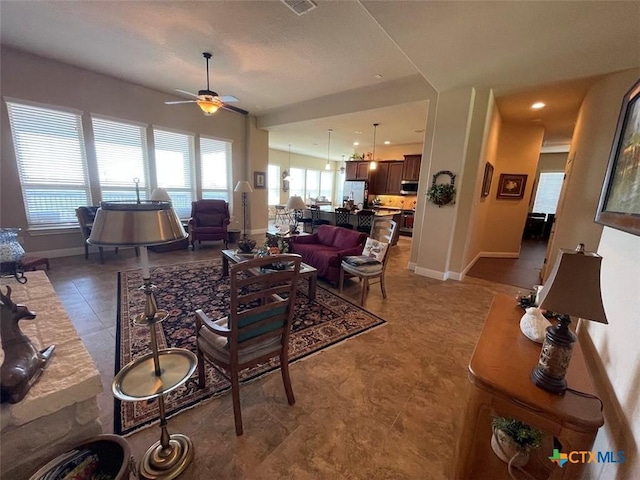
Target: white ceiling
[278,64]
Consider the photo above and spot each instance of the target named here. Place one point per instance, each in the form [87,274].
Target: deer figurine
[23,363]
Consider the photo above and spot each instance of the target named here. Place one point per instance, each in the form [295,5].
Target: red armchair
[209,221]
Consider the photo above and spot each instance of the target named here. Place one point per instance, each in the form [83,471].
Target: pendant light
[373,165]
[342,167]
[328,164]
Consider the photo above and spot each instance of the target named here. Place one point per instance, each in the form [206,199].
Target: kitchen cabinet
[411,169]
[385,180]
[358,171]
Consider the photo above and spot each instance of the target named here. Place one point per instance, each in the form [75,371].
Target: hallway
[521,272]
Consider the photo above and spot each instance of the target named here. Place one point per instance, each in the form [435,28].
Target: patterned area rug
[184,288]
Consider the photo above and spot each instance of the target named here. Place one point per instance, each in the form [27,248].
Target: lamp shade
[136,224]
[573,287]
[243,186]
[160,194]
[296,203]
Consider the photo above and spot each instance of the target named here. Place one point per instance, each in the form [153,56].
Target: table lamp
[573,288]
[295,204]
[139,224]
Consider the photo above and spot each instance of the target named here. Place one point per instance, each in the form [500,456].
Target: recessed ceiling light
[355,144]
[357,132]
[378,76]
[387,142]
[538,105]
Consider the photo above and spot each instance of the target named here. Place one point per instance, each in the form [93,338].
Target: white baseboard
[498,255]
[427,272]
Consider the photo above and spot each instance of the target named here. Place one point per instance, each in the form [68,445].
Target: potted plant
[441,194]
[512,440]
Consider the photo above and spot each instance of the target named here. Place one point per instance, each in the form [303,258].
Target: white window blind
[121,153]
[215,163]
[326,185]
[297,183]
[51,162]
[273,183]
[548,192]
[313,184]
[174,168]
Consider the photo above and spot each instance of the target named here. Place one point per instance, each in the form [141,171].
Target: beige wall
[470,184]
[615,364]
[517,151]
[435,225]
[476,230]
[587,164]
[397,152]
[36,79]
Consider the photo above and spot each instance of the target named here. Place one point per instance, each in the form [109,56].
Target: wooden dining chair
[257,327]
[371,265]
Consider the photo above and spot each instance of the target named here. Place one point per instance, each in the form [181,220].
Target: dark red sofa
[325,249]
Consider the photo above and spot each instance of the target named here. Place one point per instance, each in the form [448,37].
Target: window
[273,184]
[312,184]
[215,162]
[326,185]
[121,153]
[174,168]
[297,183]
[548,192]
[52,164]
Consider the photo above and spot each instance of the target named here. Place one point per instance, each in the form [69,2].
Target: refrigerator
[356,191]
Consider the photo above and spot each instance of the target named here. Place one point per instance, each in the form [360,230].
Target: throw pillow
[359,260]
[374,248]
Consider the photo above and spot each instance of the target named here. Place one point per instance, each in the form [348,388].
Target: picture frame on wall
[511,186]
[619,204]
[259,180]
[486,181]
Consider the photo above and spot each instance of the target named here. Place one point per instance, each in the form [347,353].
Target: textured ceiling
[273,60]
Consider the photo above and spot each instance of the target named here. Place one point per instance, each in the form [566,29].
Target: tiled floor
[385,404]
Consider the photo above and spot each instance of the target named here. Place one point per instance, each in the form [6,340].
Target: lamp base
[554,357]
[550,384]
[167,463]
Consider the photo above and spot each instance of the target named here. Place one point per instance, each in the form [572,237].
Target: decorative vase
[10,248]
[246,244]
[506,449]
[533,325]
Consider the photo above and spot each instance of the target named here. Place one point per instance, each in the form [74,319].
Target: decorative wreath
[442,193]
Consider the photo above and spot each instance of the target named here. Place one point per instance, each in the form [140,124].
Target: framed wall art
[259,180]
[511,186]
[619,205]
[486,181]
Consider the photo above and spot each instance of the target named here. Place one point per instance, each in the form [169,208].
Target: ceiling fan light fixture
[209,107]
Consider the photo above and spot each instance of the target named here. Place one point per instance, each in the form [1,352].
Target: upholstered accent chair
[257,328]
[86,216]
[209,221]
[372,263]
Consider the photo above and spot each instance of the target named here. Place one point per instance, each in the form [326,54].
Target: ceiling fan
[208,100]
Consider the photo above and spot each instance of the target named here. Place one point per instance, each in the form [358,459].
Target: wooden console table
[499,372]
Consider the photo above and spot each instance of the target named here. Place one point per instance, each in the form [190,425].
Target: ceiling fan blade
[186,93]
[228,98]
[179,101]
[231,108]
